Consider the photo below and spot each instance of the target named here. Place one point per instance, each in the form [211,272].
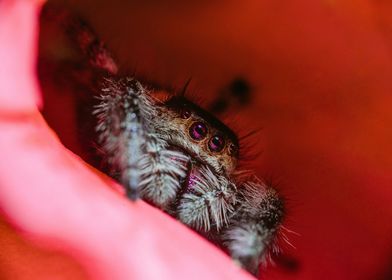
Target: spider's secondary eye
[216,143]
[198,130]
[186,114]
[233,150]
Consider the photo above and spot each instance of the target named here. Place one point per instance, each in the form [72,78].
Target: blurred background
[313,77]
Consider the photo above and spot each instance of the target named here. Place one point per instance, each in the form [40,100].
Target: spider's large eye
[216,143]
[198,130]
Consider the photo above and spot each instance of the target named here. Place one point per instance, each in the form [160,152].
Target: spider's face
[200,135]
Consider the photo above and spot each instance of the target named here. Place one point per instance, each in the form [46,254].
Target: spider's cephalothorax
[180,158]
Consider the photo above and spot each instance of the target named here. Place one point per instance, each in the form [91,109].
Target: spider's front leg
[122,128]
[146,164]
[162,171]
[254,228]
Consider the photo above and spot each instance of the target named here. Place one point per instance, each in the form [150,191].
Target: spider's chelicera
[180,158]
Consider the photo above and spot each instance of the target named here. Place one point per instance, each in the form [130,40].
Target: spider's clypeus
[178,157]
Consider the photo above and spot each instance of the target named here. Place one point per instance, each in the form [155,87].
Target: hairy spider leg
[252,234]
[83,37]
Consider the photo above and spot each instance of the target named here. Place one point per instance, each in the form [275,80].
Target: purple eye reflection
[216,143]
[198,130]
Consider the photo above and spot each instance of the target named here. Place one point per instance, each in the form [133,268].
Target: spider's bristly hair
[252,133]
[162,170]
[249,150]
[184,89]
[209,202]
[123,116]
[252,233]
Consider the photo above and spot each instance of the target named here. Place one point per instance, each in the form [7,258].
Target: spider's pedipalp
[123,121]
[254,226]
[209,201]
[162,169]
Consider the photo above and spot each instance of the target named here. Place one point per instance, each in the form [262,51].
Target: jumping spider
[179,158]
